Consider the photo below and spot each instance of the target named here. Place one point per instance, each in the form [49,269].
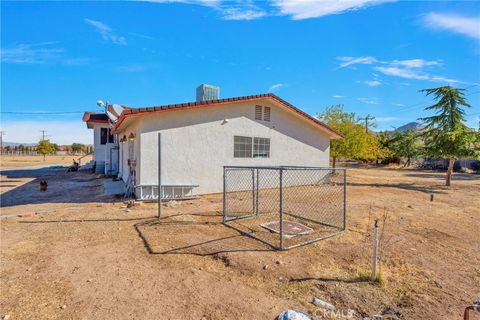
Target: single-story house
[199,138]
[105,144]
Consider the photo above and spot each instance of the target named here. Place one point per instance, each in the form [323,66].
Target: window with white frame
[248,147]
[242,147]
[261,147]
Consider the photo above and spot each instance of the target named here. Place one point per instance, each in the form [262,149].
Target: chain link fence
[285,207]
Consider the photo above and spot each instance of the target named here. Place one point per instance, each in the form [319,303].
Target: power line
[413,106]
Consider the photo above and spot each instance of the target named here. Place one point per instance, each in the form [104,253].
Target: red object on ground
[290,228]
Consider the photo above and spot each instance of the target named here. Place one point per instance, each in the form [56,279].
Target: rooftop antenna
[102,104]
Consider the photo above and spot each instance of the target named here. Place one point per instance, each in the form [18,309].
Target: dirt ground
[18,161]
[73,253]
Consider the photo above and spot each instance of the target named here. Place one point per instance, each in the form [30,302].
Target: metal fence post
[253,190]
[224,196]
[159,175]
[281,208]
[256,204]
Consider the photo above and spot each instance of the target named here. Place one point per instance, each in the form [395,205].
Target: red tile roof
[189,105]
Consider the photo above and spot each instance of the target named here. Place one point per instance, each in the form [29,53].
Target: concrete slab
[112,188]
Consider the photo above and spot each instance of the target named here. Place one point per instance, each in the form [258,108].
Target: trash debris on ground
[323,304]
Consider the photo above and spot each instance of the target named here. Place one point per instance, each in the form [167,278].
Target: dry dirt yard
[72,253]
[18,161]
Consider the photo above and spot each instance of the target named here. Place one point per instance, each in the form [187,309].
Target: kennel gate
[285,207]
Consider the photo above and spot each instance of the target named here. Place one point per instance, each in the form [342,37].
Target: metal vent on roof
[258,112]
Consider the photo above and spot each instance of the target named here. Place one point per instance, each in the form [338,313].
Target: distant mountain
[411,125]
[16,144]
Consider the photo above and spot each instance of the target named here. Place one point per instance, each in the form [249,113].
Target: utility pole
[1,140]
[367,118]
[43,134]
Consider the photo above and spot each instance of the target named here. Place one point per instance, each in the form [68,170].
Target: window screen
[258,112]
[266,113]
[261,147]
[242,147]
[103,135]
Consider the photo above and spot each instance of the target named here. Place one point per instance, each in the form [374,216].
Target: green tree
[77,147]
[446,134]
[356,144]
[45,147]
[405,145]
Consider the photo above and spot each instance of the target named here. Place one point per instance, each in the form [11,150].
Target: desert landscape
[22,161]
[73,253]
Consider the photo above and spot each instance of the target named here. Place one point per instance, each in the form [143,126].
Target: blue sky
[371,56]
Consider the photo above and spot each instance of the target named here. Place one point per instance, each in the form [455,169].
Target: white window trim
[260,147]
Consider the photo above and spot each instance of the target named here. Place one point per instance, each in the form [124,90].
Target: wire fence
[285,207]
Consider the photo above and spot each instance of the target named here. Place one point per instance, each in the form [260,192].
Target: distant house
[199,138]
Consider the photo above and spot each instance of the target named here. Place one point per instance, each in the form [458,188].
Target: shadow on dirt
[195,234]
[63,187]
[442,176]
[343,280]
[404,186]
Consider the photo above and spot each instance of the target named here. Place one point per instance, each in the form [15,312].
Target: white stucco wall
[124,171]
[98,149]
[101,152]
[197,143]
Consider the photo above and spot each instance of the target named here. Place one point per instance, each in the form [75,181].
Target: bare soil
[19,161]
[73,253]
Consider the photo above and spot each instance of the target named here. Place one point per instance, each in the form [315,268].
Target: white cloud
[338,97]
[296,9]
[229,10]
[407,69]
[106,32]
[402,73]
[60,132]
[373,83]
[242,14]
[276,87]
[39,53]
[349,61]
[467,26]
[305,9]
[410,73]
[398,104]
[416,63]
[369,100]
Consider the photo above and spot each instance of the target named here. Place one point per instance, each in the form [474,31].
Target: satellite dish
[100,103]
[112,116]
[118,109]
